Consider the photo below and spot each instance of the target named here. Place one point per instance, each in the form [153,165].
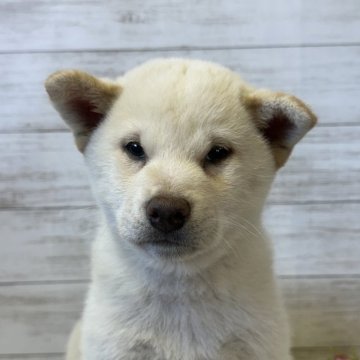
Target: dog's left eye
[217,154]
[135,150]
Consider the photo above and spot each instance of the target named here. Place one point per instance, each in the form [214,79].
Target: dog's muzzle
[167,234]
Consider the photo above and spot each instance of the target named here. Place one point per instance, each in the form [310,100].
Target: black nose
[167,213]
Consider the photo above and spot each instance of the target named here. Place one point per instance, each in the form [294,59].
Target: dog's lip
[168,249]
[174,244]
[164,243]
[167,246]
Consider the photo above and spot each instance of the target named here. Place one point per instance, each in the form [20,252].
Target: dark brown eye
[135,150]
[217,154]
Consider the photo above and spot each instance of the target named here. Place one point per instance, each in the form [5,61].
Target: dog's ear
[82,100]
[282,120]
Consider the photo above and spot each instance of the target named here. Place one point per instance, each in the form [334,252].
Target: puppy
[181,155]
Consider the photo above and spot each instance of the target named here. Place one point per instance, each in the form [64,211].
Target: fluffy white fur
[218,299]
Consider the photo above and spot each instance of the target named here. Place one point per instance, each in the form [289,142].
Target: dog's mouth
[168,246]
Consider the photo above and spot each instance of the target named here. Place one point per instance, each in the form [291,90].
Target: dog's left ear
[82,101]
[282,120]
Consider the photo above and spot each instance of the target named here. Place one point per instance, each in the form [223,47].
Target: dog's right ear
[82,101]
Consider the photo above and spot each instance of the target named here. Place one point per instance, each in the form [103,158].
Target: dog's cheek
[244,183]
[109,177]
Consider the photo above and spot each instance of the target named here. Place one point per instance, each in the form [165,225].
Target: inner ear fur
[282,120]
[82,101]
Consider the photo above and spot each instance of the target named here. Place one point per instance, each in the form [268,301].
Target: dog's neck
[236,263]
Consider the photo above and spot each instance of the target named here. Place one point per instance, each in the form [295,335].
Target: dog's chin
[167,249]
[178,245]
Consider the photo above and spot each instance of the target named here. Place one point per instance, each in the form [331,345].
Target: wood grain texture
[70,24]
[322,313]
[40,315]
[327,78]
[321,168]
[46,245]
[315,239]
[46,356]
[309,240]
[324,353]
[44,169]
[299,354]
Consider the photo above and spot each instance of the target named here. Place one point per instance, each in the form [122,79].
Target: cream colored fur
[219,299]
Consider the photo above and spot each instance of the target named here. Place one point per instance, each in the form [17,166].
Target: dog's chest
[193,325]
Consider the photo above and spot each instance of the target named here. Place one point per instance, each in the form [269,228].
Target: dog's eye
[217,154]
[135,150]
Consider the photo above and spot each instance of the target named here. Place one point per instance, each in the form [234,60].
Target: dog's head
[180,152]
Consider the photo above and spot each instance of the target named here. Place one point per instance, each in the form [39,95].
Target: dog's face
[183,154]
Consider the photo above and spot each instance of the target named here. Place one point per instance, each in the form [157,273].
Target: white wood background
[47,215]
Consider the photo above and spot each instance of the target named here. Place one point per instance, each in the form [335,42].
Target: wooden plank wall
[47,215]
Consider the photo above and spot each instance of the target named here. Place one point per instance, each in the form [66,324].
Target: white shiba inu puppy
[181,156]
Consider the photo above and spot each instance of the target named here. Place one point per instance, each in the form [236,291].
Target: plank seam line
[344,277]
[185,48]
[315,202]
[92,207]
[64,131]
[326,348]
[43,282]
[296,348]
[50,208]
[35,131]
[30,355]
[45,355]
[319,277]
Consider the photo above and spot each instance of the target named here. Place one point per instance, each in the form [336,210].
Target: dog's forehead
[181,84]
[177,96]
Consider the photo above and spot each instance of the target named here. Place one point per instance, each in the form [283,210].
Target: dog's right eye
[135,150]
